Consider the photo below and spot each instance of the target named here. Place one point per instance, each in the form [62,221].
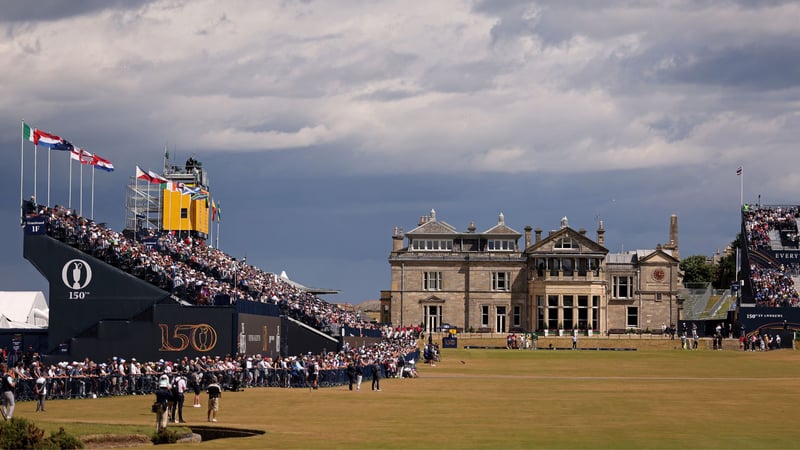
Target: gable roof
[431,225]
[434,227]
[639,256]
[502,228]
[658,253]
[546,243]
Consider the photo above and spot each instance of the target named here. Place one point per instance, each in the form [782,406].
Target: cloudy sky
[323,125]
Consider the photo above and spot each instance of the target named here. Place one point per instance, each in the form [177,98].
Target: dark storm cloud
[324,125]
[49,10]
[758,66]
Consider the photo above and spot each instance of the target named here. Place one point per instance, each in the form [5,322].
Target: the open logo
[76,274]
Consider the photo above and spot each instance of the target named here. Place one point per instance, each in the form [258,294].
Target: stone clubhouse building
[491,281]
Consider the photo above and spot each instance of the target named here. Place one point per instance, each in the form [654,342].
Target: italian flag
[28,132]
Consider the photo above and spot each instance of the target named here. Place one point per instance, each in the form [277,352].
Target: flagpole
[741,188]
[161,206]
[69,201]
[80,195]
[92,216]
[21,166]
[35,162]
[169,208]
[217,235]
[48,176]
[135,194]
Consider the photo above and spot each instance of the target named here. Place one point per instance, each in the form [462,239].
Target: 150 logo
[76,275]
[201,337]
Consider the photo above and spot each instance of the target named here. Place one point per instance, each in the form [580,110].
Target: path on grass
[573,377]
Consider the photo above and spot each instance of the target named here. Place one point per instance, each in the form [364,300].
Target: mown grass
[506,399]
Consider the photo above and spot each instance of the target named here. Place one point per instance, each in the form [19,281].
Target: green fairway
[509,399]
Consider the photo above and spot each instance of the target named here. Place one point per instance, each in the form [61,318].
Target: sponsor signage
[259,334]
[784,256]
[772,318]
[450,342]
[35,225]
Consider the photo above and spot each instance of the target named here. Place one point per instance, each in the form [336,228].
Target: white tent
[23,309]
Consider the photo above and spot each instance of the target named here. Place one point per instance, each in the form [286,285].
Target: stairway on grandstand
[707,303]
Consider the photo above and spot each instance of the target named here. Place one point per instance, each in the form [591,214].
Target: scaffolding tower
[156,207]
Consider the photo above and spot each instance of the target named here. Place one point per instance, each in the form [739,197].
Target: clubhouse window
[432,245]
[432,281]
[622,286]
[565,244]
[501,281]
[501,245]
[633,317]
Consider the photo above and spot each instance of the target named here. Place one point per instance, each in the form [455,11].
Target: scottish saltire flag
[39,137]
[81,155]
[187,190]
[102,164]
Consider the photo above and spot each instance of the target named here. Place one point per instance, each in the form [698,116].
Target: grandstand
[151,292]
[770,268]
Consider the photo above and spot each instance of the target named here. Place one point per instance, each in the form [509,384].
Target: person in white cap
[163,396]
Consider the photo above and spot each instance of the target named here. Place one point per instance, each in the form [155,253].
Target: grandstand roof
[23,309]
[311,290]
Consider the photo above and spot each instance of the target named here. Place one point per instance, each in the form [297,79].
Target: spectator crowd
[194,272]
[773,285]
[198,274]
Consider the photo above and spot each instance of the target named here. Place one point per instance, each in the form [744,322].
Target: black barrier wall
[85,290]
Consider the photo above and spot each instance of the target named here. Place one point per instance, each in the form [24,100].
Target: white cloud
[557,87]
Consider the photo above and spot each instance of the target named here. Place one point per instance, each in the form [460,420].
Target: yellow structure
[181,213]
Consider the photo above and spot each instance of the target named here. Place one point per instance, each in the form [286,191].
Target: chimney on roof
[538,233]
[673,236]
[582,231]
[397,240]
[601,240]
[528,230]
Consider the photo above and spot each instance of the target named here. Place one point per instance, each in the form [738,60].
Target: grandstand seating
[771,233]
[194,272]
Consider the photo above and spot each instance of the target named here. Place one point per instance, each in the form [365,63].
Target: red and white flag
[81,155]
[102,164]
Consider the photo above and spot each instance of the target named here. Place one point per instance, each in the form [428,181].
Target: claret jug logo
[76,275]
